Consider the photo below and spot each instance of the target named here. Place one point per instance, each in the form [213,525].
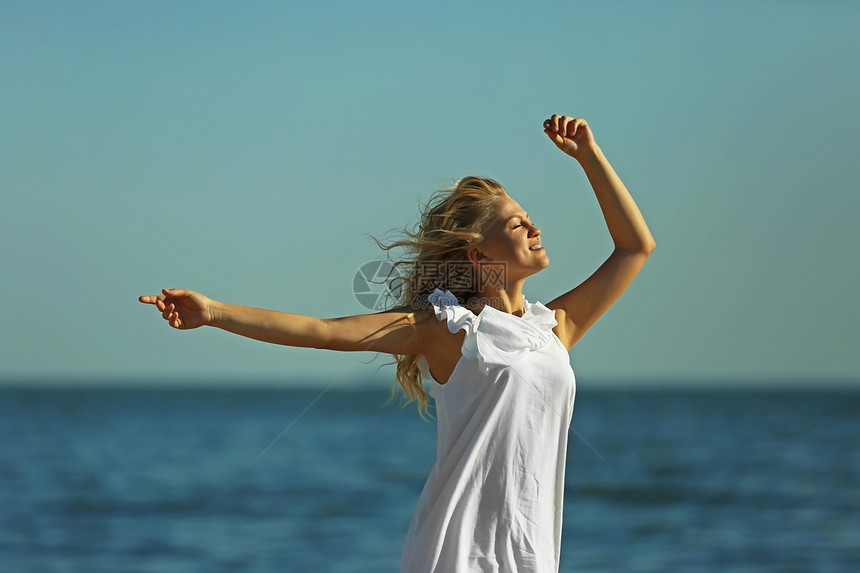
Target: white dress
[493,500]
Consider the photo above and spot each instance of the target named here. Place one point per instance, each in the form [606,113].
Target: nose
[534,230]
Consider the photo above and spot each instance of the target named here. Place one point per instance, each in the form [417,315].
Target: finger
[566,127]
[555,137]
[172,295]
[169,311]
[578,126]
[553,122]
[551,130]
[148,298]
[569,127]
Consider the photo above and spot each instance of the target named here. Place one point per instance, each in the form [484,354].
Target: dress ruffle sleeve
[494,337]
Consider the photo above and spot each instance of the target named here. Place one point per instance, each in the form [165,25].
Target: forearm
[270,326]
[626,225]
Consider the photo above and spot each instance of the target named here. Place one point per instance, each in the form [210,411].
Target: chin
[539,268]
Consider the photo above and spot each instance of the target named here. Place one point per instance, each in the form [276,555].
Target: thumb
[555,137]
[175,292]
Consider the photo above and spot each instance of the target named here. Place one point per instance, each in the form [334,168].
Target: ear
[475,255]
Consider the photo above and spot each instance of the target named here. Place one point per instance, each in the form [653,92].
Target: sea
[193,479]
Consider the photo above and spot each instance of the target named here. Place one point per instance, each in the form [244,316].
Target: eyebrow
[517,216]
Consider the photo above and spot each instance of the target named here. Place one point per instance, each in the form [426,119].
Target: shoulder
[427,326]
[440,347]
[437,340]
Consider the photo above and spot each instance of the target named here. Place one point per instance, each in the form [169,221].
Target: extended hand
[570,134]
[182,308]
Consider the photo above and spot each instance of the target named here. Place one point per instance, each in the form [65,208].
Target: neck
[509,299]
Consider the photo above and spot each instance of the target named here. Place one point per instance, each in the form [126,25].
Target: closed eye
[521,220]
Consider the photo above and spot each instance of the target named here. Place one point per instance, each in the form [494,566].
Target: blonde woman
[496,365]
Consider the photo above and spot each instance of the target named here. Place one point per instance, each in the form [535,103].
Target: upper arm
[397,331]
[582,306]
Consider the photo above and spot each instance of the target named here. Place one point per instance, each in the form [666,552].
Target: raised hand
[570,134]
[183,309]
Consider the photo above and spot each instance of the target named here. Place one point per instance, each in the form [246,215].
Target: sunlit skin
[405,331]
[513,239]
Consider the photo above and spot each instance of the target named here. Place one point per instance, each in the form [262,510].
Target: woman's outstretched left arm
[581,307]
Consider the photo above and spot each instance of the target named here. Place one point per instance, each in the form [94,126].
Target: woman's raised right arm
[393,332]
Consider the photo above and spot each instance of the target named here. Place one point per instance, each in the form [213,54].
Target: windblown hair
[452,221]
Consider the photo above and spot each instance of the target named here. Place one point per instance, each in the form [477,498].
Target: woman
[498,367]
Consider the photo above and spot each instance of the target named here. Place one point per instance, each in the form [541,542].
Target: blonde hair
[452,221]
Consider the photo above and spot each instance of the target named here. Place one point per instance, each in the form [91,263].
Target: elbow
[640,248]
[648,246]
[646,243]
[323,335]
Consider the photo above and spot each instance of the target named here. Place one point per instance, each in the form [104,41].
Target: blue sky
[249,152]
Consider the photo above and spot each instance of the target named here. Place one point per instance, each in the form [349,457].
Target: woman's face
[513,239]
